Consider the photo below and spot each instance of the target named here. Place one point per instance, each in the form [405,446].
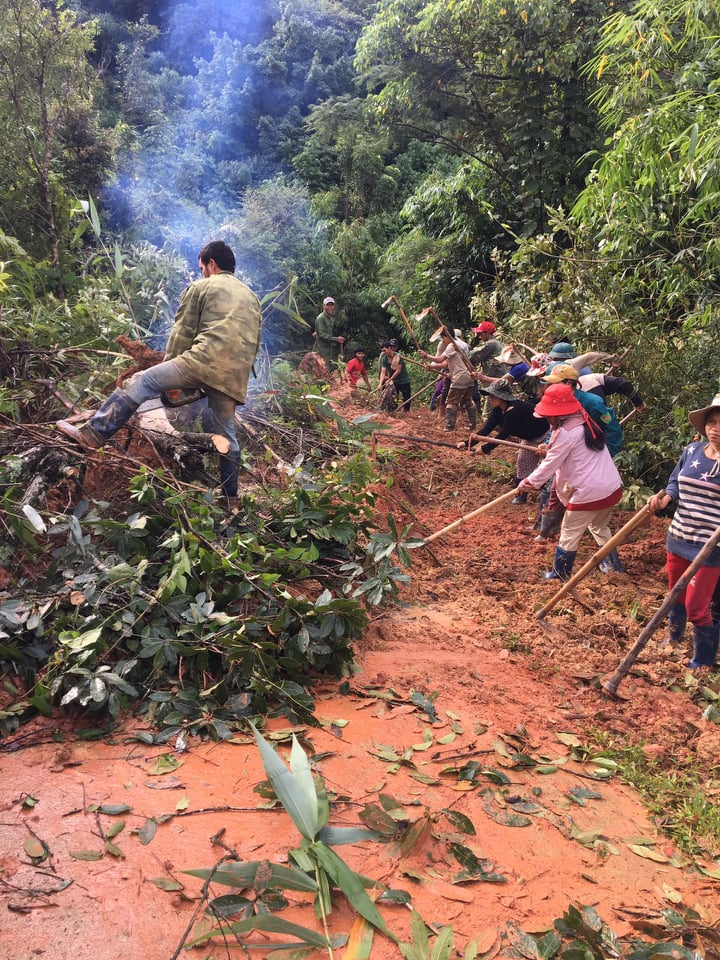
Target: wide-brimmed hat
[510,356]
[557,372]
[698,417]
[562,351]
[559,400]
[501,391]
[539,364]
[484,327]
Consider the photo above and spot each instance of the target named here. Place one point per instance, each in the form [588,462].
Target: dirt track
[510,693]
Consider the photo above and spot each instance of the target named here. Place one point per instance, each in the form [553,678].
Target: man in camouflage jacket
[212,347]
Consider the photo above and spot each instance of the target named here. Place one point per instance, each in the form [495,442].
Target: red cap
[485,327]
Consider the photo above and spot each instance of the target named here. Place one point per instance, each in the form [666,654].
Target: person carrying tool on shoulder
[212,346]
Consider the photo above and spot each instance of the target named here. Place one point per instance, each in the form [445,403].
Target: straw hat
[510,356]
[698,417]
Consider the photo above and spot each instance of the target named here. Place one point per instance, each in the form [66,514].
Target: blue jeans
[168,375]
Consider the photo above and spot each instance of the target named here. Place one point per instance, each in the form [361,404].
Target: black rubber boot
[229,472]
[705,640]
[715,605]
[550,524]
[562,565]
[472,416]
[450,418]
[112,415]
[611,563]
[677,618]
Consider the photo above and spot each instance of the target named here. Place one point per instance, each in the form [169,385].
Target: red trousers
[697,595]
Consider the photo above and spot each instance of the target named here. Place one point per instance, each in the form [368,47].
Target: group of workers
[568,435]
[568,438]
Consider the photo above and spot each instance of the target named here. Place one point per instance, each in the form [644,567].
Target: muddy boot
[705,640]
[715,608]
[562,565]
[229,471]
[450,419]
[677,618]
[112,415]
[471,415]
[550,524]
[611,563]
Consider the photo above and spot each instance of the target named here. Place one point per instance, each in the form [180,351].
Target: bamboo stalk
[469,516]
[599,555]
[613,682]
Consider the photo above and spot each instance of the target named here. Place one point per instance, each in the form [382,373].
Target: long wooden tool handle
[623,668]
[606,548]
[407,324]
[470,516]
[510,443]
[628,416]
[407,436]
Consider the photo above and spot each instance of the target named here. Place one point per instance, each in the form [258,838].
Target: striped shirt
[695,482]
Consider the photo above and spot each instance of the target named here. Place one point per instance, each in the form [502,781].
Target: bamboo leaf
[351,885]
[287,789]
[242,875]
[335,836]
[443,946]
[269,924]
[94,218]
[300,768]
[361,940]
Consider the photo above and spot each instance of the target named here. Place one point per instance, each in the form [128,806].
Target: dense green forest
[552,166]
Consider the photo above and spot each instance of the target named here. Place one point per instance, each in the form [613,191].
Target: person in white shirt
[454,357]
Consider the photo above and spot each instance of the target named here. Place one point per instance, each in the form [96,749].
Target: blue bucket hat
[562,351]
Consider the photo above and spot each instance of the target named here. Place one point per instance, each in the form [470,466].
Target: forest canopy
[551,166]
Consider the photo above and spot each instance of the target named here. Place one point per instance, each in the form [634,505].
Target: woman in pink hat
[587,480]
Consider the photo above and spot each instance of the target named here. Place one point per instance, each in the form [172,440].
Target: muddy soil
[461,673]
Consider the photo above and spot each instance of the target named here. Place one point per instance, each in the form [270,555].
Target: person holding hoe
[695,485]
[511,417]
[586,478]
